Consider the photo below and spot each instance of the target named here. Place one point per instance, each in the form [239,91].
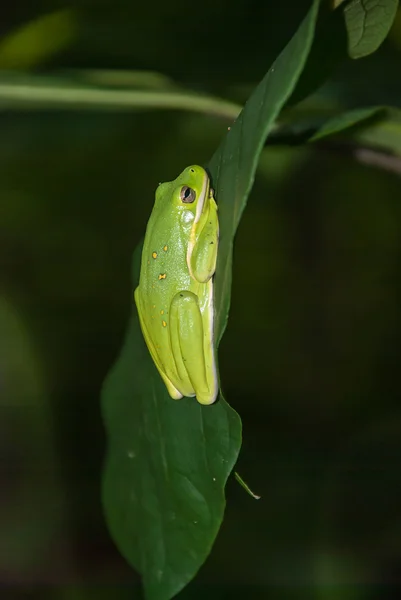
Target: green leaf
[36,41]
[233,165]
[166,468]
[300,127]
[378,144]
[369,135]
[383,133]
[343,121]
[368,23]
[168,461]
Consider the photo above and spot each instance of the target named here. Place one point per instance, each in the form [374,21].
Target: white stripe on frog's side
[199,209]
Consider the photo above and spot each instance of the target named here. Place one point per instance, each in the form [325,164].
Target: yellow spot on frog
[164,323]
[162,312]
[162,275]
[153,305]
[165,248]
[154,254]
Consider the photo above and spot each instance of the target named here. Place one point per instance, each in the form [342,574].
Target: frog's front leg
[202,252]
[187,343]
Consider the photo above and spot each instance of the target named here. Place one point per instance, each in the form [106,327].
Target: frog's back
[164,270]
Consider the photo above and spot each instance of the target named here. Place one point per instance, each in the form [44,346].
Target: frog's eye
[187,195]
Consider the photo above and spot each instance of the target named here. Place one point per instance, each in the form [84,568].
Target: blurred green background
[310,358]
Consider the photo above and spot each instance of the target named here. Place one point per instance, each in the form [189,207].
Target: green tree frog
[175,292]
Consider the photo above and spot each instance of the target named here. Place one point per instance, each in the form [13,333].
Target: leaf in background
[378,144]
[368,23]
[38,40]
[345,120]
[168,461]
[371,135]
[384,133]
[374,126]
[298,128]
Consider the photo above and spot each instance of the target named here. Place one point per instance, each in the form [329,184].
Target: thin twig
[373,157]
[381,160]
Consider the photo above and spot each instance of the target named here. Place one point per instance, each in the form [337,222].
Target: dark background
[310,358]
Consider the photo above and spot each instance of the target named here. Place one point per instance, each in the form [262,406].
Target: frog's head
[193,189]
[190,192]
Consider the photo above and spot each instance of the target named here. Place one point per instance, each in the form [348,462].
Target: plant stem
[245,486]
[40,96]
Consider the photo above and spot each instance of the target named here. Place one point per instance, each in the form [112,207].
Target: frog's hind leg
[172,390]
[187,343]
